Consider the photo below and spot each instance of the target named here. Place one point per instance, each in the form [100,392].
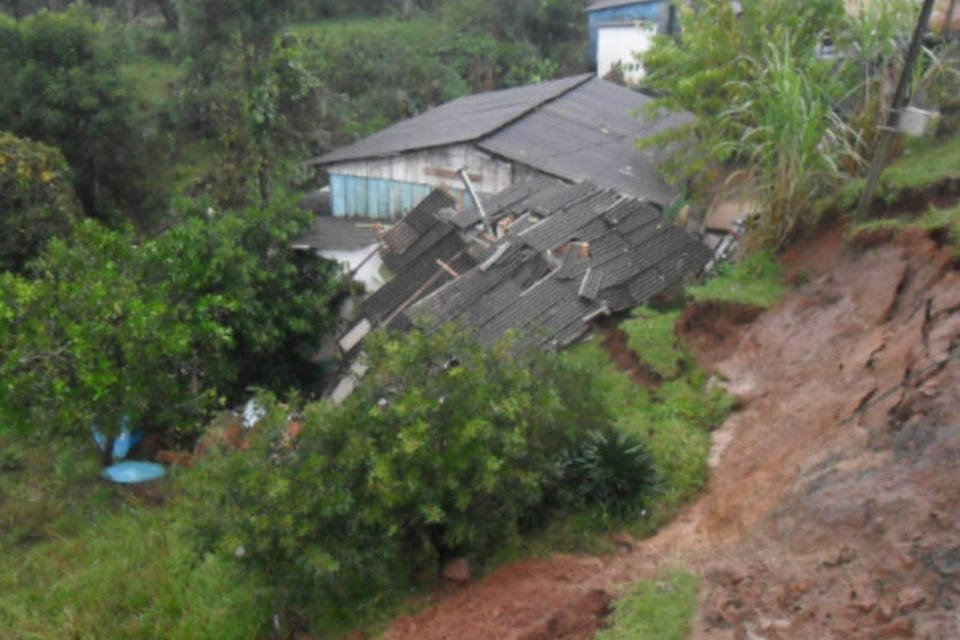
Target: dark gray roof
[598,5]
[577,129]
[595,252]
[339,234]
[462,120]
[590,134]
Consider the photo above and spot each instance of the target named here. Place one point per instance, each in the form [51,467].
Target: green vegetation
[924,163]
[757,281]
[63,87]
[447,449]
[651,335]
[773,110]
[941,223]
[674,419]
[660,608]
[84,559]
[36,198]
[104,327]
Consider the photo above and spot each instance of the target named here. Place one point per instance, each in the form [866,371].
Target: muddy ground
[833,505]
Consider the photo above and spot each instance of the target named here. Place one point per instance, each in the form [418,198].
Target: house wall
[620,44]
[388,188]
[657,11]
[369,267]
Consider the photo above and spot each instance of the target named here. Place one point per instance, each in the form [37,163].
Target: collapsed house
[544,259]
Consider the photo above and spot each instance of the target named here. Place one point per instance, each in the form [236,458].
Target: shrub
[613,471]
[446,449]
[107,327]
[36,199]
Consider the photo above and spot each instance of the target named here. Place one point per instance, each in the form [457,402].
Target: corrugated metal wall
[373,197]
[652,11]
[388,188]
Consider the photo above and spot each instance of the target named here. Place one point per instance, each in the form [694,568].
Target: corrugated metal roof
[577,129]
[461,120]
[589,134]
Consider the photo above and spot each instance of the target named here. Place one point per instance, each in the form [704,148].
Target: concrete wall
[657,11]
[388,188]
[620,44]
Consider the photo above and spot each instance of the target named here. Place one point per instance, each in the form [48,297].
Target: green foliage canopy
[37,201]
[158,330]
[63,87]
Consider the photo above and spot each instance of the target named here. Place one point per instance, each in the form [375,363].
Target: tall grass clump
[793,139]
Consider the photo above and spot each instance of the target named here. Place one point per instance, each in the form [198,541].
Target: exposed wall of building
[387,188]
[656,11]
[619,44]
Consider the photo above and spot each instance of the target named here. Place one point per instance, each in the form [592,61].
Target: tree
[159,330]
[86,340]
[37,201]
[64,88]
[233,89]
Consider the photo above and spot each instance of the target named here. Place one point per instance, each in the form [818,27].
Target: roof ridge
[584,78]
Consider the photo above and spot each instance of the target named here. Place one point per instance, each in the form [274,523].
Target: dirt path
[833,505]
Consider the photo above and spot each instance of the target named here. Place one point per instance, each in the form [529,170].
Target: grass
[756,281]
[674,421]
[650,334]
[84,559]
[945,223]
[924,162]
[661,608]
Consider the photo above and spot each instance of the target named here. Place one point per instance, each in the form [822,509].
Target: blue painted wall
[657,11]
[352,196]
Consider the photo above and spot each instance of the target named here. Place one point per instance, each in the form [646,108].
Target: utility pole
[900,97]
[947,31]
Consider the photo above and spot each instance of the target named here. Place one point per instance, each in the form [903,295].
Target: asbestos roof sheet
[576,129]
[589,134]
[596,252]
[461,120]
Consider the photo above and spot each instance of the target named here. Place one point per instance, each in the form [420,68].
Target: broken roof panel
[628,255]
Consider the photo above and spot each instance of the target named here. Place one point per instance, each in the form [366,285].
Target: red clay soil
[712,330]
[626,360]
[833,505]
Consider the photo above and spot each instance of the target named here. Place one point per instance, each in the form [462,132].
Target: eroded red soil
[833,505]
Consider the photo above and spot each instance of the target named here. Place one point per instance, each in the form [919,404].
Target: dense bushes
[447,448]
[63,87]
[106,327]
[37,201]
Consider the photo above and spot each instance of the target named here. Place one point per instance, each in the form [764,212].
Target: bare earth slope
[833,508]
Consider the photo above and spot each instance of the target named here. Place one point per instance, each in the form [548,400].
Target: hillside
[831,510]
